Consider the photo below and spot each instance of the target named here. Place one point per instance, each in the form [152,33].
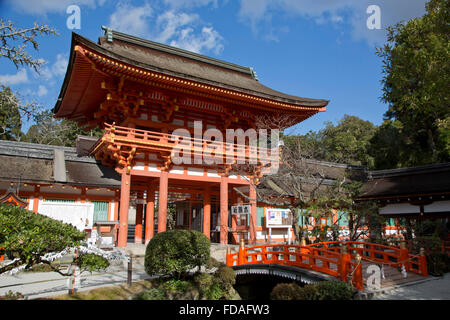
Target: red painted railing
[378,253]
[336,258]
[311,258]
[158,141]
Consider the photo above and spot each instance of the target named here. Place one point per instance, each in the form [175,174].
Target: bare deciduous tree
[304,186]
[18,53]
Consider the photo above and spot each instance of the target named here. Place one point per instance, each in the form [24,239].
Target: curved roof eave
[77,39]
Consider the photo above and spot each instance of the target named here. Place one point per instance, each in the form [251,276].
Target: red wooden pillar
[234,218]
[36,199]
[223,210]
[162,201]
[252,223]
[139,217]
[149,215]
[207,212]
[124,207]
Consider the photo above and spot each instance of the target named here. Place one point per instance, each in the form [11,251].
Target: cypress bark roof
[180,64]
[191,65]
[30,162]
[415,181]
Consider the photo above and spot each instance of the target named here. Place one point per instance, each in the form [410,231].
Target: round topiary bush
[173,253]
[334,290]
[286,291]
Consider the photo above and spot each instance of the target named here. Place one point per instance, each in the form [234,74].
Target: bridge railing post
[264,255]
[303,249]
[357,274]
[229,259]
[286,254]
[344,260]
[404,255]
[241,253]
[423,263]
[312,259]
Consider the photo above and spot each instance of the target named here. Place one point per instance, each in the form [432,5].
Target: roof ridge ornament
[253,72]
[108,33]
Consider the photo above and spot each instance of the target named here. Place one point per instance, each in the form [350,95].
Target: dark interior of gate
[185,208]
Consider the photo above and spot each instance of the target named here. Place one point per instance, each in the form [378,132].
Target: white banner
[80,215]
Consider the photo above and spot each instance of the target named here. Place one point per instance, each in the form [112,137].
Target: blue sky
[309,48]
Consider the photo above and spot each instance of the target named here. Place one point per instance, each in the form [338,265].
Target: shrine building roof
[37,163]
[430,181]
[147,61]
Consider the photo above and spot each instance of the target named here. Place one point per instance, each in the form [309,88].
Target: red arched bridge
[346,261]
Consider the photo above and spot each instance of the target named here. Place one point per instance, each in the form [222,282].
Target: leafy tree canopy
[49,130]
[347,142]
[416,67]
[30,239]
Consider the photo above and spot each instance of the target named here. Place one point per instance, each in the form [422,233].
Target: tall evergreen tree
[416,67]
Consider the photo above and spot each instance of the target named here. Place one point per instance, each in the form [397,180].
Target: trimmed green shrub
[324,290]
[309,292]
[213,263]
[286,291]
[203,280]
[175,252]
[29,236]
[334,290]
[226,276]
[175,285]
[91,262]
[151,294]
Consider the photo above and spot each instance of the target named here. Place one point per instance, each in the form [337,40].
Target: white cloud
[178,30]
[352,12]
[42,91]
[190,3]
[58,69]
[168,24]
[60,66]
[171,26]
[11,79]
[42,7]
[131,20]
[207,40]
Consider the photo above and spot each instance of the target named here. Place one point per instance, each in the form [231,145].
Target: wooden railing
[382,254]
[317,259]
[336,258]
[157,141]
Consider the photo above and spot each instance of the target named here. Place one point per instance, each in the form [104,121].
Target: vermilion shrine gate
[140,92]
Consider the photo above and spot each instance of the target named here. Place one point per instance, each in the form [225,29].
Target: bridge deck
[392,276]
